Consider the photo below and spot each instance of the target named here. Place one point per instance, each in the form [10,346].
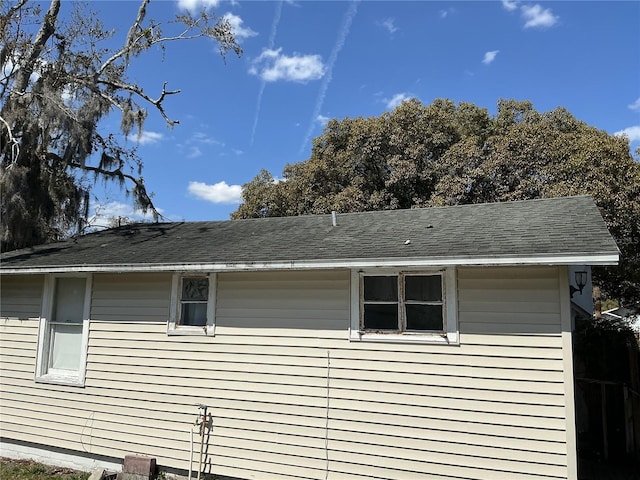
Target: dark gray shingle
[569,226]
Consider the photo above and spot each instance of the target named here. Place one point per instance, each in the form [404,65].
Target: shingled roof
[548,231]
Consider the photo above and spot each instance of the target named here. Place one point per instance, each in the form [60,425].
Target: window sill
[421,338]
[192,331]
[60,380]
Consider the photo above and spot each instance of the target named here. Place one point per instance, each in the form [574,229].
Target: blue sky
[305,62]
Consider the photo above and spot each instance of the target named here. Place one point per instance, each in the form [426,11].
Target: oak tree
[60,75]
[447,154]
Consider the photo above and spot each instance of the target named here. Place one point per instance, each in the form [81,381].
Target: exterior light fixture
[581,281]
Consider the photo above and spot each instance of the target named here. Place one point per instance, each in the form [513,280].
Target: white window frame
[44,374]
[174,327]
[451,334]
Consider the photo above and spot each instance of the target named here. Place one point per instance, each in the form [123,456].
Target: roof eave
[357,263]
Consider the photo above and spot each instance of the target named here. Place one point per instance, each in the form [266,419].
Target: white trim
[450,300]
[567,364]
[210,328]
[47,297]
[42,373]
[400,262]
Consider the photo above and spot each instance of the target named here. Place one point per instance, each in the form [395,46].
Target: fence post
[603,404]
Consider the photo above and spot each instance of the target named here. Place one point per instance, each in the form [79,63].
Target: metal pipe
[201,449]
[191,453]
[202,421]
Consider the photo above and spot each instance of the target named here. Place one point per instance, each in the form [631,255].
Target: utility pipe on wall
[201,423]
[202,414]
[191,452]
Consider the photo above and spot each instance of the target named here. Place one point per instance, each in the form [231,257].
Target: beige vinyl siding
[21,297]
[20,305]
[291,397]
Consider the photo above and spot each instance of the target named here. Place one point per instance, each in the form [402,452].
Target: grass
[11,469]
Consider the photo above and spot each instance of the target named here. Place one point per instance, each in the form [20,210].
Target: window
[192,305]
[64,328]
[404,306]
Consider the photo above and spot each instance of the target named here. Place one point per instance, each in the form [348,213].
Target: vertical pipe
[191,453]
[203,426]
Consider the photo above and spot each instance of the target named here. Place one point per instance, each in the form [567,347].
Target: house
[409,344]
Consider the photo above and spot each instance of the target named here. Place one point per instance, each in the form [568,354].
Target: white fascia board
[404,262]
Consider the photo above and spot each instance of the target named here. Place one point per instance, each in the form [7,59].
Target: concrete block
[138,467]
[97,474]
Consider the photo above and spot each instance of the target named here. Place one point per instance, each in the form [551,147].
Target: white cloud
[117,209]
[203,138]
[635,106]
[11,67]
[490,56]
[238,30]
[146,138]
[191,5]
[200,143]
[389,25]
[632,133]
[396,100]
[217,193]
[7,70]
[510,5]
[322,120]
[194,152]
[537,17]
[272,65]
[445,13]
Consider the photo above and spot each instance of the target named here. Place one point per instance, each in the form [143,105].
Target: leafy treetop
[447,154]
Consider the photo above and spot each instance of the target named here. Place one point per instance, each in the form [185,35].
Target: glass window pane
[380,317]
[68,300]
[66,346]
[381,288]
[194,314]
[424,317]
[426,288]
[195,289]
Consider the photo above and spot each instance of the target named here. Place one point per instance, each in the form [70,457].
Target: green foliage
[58,80]
[601,346]
[447,154]
[608,304]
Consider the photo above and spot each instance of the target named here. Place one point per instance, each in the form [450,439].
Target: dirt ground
[11,469]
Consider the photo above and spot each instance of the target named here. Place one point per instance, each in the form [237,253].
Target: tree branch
[141,93]
[4,19]
[46,30]
[133,40]
[15,145]
[143,197]
[129,42]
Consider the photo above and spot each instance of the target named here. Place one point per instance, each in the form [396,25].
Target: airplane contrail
[342,36]
[272,39]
